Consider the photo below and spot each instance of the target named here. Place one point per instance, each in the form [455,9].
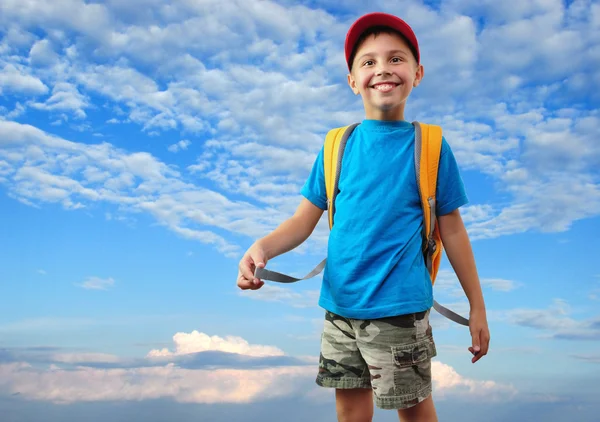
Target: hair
[378,30]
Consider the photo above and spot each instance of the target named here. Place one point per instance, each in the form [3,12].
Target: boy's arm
[293,231]
[458,249]
[289,235]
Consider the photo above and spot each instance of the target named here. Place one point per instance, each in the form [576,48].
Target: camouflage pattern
[392,356]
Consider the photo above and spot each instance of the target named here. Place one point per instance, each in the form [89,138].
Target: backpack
[428,145]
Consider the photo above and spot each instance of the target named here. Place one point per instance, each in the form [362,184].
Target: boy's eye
[396,60]
[368,63]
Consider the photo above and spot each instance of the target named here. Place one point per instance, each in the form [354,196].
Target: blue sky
[144,147]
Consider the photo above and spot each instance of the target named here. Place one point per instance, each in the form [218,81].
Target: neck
[396,113]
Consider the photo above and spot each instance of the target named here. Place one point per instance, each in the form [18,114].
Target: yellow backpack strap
[428,148]
[335,143]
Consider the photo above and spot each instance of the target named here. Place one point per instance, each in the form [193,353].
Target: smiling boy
[376,290]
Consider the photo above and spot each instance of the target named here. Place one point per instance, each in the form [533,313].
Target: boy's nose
[382,69]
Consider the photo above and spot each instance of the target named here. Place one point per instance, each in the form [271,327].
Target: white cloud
[556,323]
[185,386]
[499,284]
[448,282]
[550,203]
[180,146]
[42,54]
[474,213]
[85,384]
[447,383]
[17,81]
[18,111]
[194,342]
[65,97]
[97,283]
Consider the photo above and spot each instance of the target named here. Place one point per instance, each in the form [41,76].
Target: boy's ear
[419,75]
[352,84]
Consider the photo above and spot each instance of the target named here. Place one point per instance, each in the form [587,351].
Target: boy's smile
[384,73]
[384,86]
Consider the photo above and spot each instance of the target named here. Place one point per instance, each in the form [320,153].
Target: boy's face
[384,73]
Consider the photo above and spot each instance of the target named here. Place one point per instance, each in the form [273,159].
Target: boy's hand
[254,257]
[480,334]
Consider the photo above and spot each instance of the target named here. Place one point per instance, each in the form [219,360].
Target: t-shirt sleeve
[314,188]
[450,187]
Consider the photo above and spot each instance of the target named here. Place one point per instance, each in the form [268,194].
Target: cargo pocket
[413,366]
[414,353]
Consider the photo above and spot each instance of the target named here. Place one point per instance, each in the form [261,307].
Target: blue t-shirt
[375,267]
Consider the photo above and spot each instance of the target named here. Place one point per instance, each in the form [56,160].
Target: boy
[376,290]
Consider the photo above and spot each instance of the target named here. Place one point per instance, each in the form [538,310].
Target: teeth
[386,87]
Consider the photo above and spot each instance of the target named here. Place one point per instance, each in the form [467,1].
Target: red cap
[379,19]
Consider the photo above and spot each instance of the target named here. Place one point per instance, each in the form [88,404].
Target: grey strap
[264,274]
[451,315]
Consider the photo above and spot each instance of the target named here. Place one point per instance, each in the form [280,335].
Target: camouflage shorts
[392,356]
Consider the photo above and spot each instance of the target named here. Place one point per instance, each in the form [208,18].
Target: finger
[260,263]
[255,284]
[476,355]
[245,268]
[485,342]
[248,284]
[475,340]
[244,283]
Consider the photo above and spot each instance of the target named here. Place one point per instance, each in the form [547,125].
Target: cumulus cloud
[195,342]
[42,54]
[18,81]
[65,97]
[447,382]
[84,383]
